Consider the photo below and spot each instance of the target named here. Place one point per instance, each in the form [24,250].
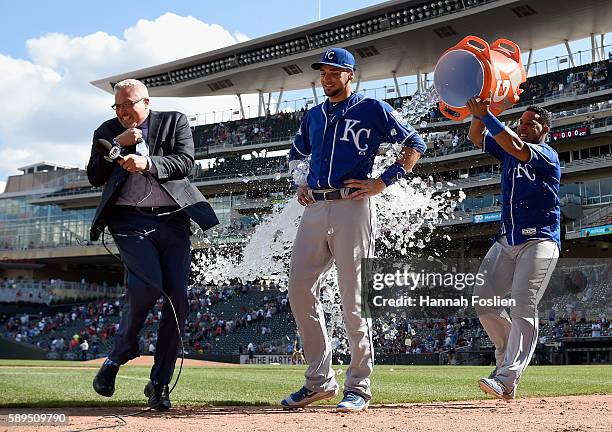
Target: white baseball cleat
[352,402]
[494,387]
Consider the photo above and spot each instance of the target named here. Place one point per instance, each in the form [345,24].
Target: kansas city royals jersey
[530,193]
[342,139]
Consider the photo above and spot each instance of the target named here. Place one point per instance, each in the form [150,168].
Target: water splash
[408,213]
[419,105]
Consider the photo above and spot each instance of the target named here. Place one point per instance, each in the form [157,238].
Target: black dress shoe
[104,381]
[159,396]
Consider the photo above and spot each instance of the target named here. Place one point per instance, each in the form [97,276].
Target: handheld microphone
[110,151]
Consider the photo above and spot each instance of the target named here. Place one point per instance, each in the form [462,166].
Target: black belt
[330,195]
[147,210]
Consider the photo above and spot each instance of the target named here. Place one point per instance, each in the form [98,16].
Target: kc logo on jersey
[349,129]
[523,168]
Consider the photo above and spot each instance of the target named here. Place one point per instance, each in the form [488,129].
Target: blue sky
[50,51]
[28,19]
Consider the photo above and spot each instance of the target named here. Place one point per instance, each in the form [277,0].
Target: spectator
[84,349]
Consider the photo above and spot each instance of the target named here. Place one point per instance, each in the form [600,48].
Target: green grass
[68,384]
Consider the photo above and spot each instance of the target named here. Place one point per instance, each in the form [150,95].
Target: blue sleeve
[301,144]
[542,157]
[489,145]
[397,130]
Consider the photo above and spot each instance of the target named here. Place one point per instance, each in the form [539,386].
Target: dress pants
[156,252]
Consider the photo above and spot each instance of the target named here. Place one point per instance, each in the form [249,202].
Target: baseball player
[525,253]
[342,136]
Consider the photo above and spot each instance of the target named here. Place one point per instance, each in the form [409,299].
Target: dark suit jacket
[171,150]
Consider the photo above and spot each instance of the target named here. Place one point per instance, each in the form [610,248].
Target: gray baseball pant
[339,230]
[523,271]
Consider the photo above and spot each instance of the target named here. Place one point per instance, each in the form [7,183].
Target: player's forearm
[475,134]
[403,164]
[408,158]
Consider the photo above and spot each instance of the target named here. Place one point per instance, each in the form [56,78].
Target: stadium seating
[283,126]
[231,168]
[217,324]
[278,127]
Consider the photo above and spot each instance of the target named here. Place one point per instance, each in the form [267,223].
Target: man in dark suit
[147,205]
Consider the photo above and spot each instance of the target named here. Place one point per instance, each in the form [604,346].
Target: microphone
[111,152]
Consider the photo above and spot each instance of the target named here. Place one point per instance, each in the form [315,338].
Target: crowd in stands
[49,291]
[241,134]
[90,322]
[245,168]
[97,322]
[206,325]
[557,84]
[455,334]
[282,125]
[429,336]
[577,304]
[237,228]
[444,143]
[12,291]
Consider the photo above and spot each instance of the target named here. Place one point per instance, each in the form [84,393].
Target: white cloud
[241,37]
[50,109]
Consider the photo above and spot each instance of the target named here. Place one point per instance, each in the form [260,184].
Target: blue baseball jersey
[530,193]
[342,139]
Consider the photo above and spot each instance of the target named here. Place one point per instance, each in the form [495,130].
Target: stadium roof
[43,166]
[400,36]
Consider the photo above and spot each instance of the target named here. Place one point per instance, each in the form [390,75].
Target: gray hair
[131,83]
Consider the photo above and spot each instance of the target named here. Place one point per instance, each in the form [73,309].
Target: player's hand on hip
[303,195]
[133,163]
[367,188]
[478,107]
[130,137]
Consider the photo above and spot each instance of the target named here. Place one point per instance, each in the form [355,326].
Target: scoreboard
[561,135]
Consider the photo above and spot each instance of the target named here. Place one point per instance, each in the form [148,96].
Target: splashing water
[417,107]
[408,208]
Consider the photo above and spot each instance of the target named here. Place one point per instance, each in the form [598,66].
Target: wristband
[393,173]
[493,124]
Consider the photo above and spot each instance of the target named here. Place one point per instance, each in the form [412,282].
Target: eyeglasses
[128,104]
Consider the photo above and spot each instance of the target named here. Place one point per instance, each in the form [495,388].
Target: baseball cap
[338,57]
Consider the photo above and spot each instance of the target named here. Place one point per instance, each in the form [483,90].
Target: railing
[226,145]
[590,219]
[77,191]
[281,169]
[592,108]
[48,290]
[571,198]
[587,162]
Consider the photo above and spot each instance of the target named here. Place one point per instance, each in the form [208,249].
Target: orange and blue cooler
[475,68]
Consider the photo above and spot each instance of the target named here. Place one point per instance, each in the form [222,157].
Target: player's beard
[335,92]
[332,92]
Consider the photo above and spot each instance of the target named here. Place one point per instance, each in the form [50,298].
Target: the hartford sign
[265,359]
